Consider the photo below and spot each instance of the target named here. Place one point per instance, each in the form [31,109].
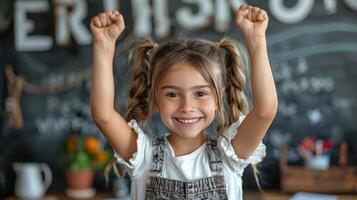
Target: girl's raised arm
[105,28]
[253,22]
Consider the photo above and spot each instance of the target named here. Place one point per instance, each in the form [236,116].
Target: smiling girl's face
[185,101]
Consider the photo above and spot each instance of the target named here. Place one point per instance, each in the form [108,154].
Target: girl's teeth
[188,121]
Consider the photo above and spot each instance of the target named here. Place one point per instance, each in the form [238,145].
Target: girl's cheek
[169,105]
[208,105]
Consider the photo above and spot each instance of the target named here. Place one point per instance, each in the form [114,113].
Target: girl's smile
[188,122]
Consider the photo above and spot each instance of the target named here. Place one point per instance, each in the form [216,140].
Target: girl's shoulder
[140,129]
[135,126]
[231,131]
[142,157]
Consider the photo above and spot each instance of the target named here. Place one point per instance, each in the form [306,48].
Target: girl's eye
[172,94]
[201,93]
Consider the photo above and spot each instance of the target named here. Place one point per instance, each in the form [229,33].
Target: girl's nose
[187,105]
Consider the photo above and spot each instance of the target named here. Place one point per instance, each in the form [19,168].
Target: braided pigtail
[235,86]
[235,81]
[138,94]
[138,101]
[138,108]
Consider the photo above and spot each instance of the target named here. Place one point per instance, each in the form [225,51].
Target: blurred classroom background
[45,62]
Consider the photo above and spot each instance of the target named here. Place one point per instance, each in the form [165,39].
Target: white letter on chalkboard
[331,6]
[23,26]
[202,19]
[141,16]
[162,22]
[110,5]
[222,19]
[290,15]
[351,4]
[71,22]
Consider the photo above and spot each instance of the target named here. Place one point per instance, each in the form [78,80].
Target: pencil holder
[318,162]
[339,178]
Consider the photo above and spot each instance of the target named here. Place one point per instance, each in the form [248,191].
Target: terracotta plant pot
[80,179]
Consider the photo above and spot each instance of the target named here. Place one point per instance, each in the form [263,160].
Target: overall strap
[159,146]
[215,161]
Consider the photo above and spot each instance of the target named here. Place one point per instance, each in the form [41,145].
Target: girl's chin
[186,134]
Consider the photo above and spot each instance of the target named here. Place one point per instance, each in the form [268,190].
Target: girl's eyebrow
[178,88]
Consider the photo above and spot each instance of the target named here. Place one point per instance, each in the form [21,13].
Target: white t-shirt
[188,167]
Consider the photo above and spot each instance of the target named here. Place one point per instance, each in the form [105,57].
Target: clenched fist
[107,26]
[252,21]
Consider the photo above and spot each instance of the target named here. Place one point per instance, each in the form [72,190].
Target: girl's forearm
[102,85]
[263,86]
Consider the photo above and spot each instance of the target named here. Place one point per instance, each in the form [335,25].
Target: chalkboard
[312,49]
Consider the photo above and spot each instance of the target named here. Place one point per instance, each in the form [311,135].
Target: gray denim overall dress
[204,188]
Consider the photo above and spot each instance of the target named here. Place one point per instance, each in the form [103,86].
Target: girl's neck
[183,146]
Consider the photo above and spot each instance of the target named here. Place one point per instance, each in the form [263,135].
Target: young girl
[189,82]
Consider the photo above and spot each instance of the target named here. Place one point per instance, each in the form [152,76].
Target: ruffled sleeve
[234,162]
[139,158]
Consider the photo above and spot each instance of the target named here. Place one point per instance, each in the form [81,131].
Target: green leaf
[83,160]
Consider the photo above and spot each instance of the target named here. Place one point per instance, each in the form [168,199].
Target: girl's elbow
[269,111]
[100,120]
[99,117]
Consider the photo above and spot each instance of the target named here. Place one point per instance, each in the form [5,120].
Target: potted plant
[81,157]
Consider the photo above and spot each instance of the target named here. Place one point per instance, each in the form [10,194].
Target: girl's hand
[252,21]
[107,26]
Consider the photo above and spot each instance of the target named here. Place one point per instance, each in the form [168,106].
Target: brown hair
[138,102]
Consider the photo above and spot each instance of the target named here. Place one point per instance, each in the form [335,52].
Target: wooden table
[248,195]
[274,195]
[62,196]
